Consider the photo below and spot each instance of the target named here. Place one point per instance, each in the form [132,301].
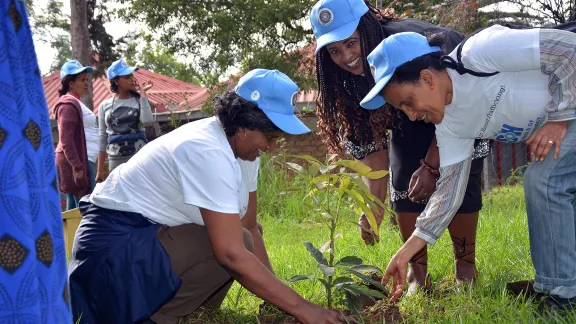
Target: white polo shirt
[172,177]
[508,106]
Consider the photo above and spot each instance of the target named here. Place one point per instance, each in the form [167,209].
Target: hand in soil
[368,236]
[314,314]
[396,269]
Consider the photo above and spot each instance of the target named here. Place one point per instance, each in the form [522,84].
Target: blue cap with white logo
[335,20]
[73,67]
[390,54]
[274,93]
[120,68]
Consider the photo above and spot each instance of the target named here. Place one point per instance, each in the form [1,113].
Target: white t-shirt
[172,177]
[90,132]
[508,106]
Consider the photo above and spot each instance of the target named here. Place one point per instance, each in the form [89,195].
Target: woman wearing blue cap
[346,31]
[171,229]
[122,118]
[78,134]
[505,84]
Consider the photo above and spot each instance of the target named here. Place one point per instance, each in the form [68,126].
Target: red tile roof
[167,93]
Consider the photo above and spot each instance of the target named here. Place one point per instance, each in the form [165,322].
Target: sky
[46,53]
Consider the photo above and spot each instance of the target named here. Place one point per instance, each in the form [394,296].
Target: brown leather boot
[463,233]
[418,274]
[524,287]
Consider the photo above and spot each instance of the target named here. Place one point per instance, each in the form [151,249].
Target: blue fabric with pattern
[33,275]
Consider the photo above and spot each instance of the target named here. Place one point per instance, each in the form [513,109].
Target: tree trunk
[81,49]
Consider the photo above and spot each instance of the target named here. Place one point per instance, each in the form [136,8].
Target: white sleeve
[503,49]
[453,150]
[209,179]
[250,173]
[102,134]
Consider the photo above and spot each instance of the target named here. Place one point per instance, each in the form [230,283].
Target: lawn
[502,255]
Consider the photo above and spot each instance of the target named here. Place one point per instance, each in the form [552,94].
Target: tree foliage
[52,26]
[548,12]
[63,51]
[222,34]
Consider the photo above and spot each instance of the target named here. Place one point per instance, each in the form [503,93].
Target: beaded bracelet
[429,168]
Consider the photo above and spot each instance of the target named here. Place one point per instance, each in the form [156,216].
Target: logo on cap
[325,16]
[124,64]
[255,95]
[78,63]
[293,100]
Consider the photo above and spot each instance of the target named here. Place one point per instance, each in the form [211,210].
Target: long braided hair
[338,103]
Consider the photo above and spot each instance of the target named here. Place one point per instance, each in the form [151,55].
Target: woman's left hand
[552,133]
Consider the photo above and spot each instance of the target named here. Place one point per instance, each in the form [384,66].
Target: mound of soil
[382,312]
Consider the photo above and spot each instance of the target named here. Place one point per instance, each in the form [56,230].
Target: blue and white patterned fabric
[33,275]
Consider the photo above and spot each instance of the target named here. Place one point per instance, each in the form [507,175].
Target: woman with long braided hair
[346,32]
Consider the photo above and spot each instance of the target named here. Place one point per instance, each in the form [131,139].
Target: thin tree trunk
[81,49]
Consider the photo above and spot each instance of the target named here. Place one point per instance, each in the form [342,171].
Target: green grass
[502,254]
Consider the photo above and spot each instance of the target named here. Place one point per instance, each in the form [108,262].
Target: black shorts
[409,144]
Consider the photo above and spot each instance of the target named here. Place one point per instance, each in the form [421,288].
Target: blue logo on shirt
[509,134]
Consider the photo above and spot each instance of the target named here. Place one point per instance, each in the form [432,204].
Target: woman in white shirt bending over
[511,85]
[172,228]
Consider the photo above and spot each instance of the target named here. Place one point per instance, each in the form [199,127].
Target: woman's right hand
[99,177]
[314,314]
[80,180]
[78,174]
[147,85]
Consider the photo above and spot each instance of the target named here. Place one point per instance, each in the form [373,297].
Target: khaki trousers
[204,281]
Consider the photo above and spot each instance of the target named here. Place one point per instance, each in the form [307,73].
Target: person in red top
[74,167]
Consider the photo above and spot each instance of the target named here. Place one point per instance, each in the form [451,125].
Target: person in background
[170,230]
[33,274]
[77,132]
[122,118]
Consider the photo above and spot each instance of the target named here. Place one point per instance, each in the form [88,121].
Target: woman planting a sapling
[505,84]
[170,229]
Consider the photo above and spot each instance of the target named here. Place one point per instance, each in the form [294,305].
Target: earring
[243,138]
[432,87]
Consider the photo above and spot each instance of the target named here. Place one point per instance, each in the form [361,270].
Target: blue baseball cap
[274,93]
[120,68]
[73,67]
[335,20]
[391,53]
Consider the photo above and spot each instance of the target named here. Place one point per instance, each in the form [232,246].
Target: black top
[391,27]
